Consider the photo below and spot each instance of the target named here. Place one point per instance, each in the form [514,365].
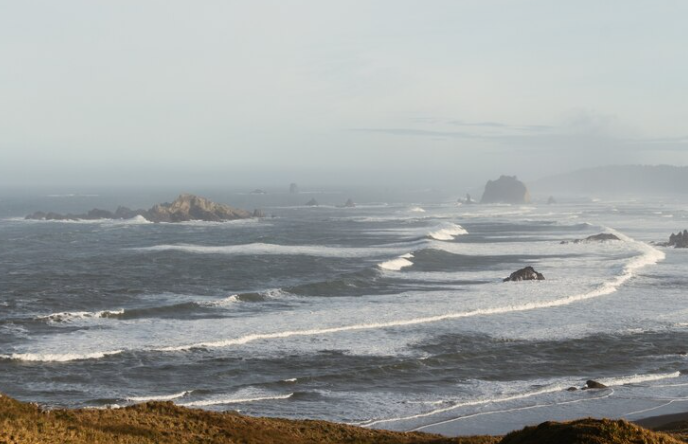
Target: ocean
[392,314]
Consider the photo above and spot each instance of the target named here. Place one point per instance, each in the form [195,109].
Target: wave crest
[447,231]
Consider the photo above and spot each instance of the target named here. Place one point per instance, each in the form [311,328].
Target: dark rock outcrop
[506,189]
[312,203]
[525,274]
[349,203]
[591,384]
[186,207]
[294,188]
[602,237]
[467,201]
[551,200]
[678,240]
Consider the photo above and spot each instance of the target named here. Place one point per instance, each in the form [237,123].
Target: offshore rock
[525,274]
[186,207]
[189,207]
[591,384]
[678,240]
[506,189]
[349,204]
[602,237]
[312,203]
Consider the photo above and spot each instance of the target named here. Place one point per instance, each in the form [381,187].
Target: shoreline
[164,422]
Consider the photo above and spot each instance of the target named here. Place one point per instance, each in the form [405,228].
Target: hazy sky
[340,91]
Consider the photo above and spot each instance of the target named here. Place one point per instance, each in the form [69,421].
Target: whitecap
[398,263]
[447,231]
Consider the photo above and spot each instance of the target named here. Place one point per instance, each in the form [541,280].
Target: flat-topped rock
[506,189]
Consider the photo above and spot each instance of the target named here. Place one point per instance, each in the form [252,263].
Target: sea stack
[506,189]
[678,240]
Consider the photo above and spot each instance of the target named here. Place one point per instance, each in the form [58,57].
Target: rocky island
[506,189]
[678,240]
[186,207]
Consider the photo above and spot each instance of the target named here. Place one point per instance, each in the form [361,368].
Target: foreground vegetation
[163,422]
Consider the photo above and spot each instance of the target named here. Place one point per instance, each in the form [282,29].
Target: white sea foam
[68,316]
[224,302]
[416,210]
[222,401]
[472,403]
[273,249]
[649,256]
[159,397]
[398,263]
[447,231]
[610,382]
[638,379]
[58,357]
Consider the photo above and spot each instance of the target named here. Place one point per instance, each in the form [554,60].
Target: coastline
[165,422]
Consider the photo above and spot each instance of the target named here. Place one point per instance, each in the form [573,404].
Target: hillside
[164,422]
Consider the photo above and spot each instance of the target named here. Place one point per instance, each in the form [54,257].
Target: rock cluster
[525,274]
[186,207]
[678,240]
[602,237]
[312,203]
[506,189]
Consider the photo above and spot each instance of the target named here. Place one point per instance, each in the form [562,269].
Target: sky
[387,92]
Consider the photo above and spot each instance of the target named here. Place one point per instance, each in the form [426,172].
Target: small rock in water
[594,385]
[572,389]
[525,274]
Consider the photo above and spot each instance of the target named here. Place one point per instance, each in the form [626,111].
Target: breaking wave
[222,401]
[447,231]
[398,263]
[68,316]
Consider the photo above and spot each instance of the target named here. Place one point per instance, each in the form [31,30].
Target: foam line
[160,397]
[56,357]
[515,409]
[650,256]
[210,402]
[274,249]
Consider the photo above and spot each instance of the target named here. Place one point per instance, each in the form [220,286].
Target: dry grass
[588,431]
[163,422]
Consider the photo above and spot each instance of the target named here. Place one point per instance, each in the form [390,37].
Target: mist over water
[392,314]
